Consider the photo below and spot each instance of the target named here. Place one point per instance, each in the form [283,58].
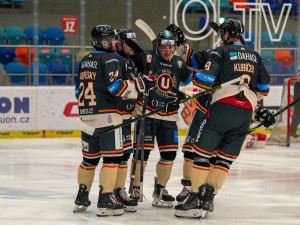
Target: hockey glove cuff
[178,33]
[144,83]
[265,116]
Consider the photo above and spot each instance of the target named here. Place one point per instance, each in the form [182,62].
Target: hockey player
[197,61]
[170,70]
[100,88]
[126,38]
[228,118]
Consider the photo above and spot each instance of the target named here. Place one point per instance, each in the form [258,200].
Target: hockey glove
[178,33]
[265,116]
[173,100]
[144,83]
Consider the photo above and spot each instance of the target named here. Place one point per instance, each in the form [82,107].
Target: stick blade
[83,127]
[145,27]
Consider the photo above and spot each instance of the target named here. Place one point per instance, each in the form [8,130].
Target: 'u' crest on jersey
[164,82]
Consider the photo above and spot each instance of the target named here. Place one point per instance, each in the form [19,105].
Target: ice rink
[38,186]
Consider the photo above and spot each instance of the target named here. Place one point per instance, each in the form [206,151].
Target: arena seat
[29,32]
[293,2]
[65,55]
[22,53]
[7,55]
[274,4]
[54,36]
[250,44]
[287,40]
[16,68]
[266,41]
[284,57]
[15,35]
[47,55]
[76,67]
[57,68]
[2,36]
[240,6]
[279,69]
[225,4]
[268,57]
[42,70]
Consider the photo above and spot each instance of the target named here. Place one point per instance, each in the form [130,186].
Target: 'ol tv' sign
[69,24]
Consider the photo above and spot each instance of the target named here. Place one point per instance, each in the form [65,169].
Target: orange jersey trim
[223,153]
[84,153]
[114,151]
[110,110]
[168,146]
[201,150]
[124,86]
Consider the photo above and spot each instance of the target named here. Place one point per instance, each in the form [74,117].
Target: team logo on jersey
[165,81]
[109,119]
[149,58]
[179,64]
[89,64]
[243,56]
[85,146]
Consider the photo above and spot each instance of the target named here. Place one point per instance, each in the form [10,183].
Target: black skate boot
[185,190]
[108,205]
[135,193]
[161,197]
[128,203]
[82,201]
[207,203]
[190,207]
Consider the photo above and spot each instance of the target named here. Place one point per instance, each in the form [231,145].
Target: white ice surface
[38,186]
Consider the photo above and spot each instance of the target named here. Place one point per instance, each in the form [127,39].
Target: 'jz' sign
[69,24]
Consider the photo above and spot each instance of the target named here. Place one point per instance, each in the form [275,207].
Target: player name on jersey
[243,67]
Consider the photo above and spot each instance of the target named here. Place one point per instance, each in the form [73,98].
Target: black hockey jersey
[100,88]
[229,62]
[169,74]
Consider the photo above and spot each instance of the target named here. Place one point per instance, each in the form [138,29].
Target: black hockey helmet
[126,34]
[102,32]
[165,37]
[234,27]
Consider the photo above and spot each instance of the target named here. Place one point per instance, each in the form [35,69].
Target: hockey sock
[187,168]
[121,175]
[163,171]
[86,175]
[199,176]
[137,176]
[217,177]
[108,176]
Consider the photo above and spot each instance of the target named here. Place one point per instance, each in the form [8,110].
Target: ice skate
[185,190]
[135,193]
[207,203]
[82,201]
[161,198]
[108,205]
[129,204]
[190,207]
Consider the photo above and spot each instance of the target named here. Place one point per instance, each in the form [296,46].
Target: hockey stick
[139,143]
[146,29]
[276,114]
[97,132]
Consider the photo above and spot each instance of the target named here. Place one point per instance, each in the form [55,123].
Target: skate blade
[110,212]
[204,214]
[162,204]
[192,213]
[80,208]
[130,208]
